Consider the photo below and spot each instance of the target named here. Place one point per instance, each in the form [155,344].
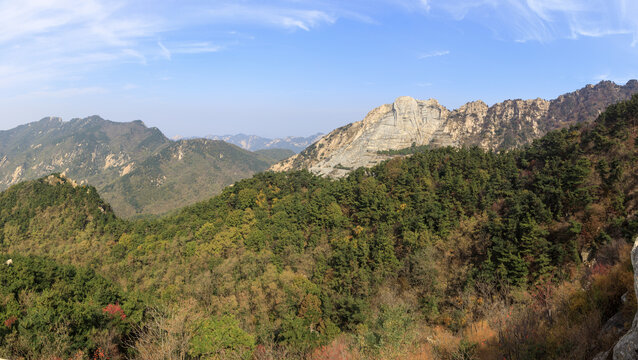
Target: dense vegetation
[50,309]
[448,253]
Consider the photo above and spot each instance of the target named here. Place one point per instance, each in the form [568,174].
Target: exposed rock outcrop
[627,347]
[408,121]
[387,127]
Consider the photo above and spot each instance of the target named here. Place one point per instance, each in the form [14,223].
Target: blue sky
[296,67]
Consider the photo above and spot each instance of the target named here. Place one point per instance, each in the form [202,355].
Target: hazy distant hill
[407,121]
[254,142]
[135,168]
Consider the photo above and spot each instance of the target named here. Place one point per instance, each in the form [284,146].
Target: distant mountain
[408,122]
[254,142]
[275,155]
[135,168]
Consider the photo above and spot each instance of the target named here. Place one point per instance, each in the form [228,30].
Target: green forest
[449,253]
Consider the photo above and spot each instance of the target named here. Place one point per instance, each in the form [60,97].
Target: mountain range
[408,122]
[139,171]
[135,168]
[254,142]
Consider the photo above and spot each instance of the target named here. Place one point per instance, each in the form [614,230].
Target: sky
[297,67]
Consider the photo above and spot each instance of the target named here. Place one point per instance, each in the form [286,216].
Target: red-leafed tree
[114,310]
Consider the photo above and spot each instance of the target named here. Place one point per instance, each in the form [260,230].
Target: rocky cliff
[408,121]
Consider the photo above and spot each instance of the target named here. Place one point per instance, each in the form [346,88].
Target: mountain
[275,155]
[452,253]
[408,122]
[254,142]
[136,168]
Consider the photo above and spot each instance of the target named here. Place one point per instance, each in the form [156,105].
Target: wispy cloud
[434,54]
[547,20]
[283,17]
[196,48]
[43,42]
[164,51]
[187,48]
[69,92]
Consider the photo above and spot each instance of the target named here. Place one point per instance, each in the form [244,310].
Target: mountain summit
[409,122]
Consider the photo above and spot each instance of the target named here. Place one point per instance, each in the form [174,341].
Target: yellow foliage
[261,200]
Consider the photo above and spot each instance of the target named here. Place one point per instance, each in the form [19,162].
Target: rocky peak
[405,109]
[404,104]
[58,179]
[474,107]
[51,119]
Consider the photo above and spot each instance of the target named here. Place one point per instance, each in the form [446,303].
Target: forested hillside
[136,168]
[449,253]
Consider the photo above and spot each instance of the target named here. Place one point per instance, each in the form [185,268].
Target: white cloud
[165,52]
[434,54]
[187,48]
[196,48]
[44,42]
[283,17]
[422,6]
[547,20]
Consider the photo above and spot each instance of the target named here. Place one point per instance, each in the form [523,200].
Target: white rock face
[395,126]
[407,121]
[16,175]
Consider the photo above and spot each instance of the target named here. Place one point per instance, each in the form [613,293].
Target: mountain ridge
[136,168]
[255,142]
[408,121]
